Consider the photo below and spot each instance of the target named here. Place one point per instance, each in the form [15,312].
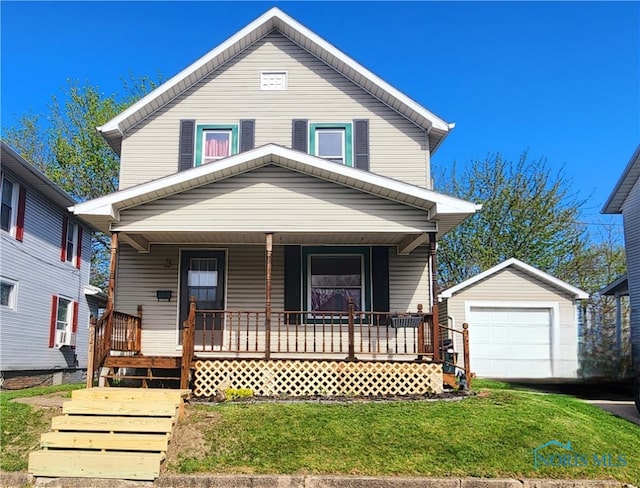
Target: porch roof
[443,211]
[275,19]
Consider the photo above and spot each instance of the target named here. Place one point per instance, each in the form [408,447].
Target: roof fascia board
[274,154]
[576,292]
[614,203]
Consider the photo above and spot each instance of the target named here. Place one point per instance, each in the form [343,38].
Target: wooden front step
[109,433]
[95,464]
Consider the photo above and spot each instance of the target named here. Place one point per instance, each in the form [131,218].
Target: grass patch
[21,425]
[486,436]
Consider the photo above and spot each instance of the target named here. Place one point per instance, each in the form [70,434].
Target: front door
[202,277]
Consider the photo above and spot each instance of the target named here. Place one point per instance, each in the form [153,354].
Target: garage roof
[536,273]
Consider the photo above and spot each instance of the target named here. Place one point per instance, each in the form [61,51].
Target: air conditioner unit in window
[65,338]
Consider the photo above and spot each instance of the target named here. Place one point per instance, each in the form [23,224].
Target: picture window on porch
[332,142]
[214,142]
[335,275]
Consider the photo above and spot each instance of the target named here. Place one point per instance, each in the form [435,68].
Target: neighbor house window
[336,275]
[273,80]
[65,313]
[71,241]
[332,142]
[214,142]
[8,213]
[8,292]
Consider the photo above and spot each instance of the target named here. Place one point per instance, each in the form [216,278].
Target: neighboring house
[625,200]
[44,313]
[523,323]
[286,188]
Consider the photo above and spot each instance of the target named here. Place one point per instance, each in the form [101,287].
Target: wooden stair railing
[449,377]
[114,331]
[188,344]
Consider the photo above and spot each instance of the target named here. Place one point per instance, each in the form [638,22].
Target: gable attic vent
[273,80]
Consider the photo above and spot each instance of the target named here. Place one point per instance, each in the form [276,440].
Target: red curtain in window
[216,147]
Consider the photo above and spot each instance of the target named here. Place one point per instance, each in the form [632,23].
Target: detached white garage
[522,322]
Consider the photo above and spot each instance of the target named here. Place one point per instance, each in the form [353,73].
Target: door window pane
[202,282]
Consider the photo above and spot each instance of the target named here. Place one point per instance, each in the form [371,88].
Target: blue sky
[559,79]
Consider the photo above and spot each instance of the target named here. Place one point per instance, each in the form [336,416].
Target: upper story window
[273,80]
[9,205]
[72,241]
[71,245]
[8,293]
[332,142]
[214,142]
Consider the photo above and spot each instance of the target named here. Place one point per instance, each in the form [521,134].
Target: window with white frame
[273,80]
[214,142]
[332,142]
[71,244]
[8,213]
[8,293]
[64,315]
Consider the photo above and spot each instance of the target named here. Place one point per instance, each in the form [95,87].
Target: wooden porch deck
[277,342]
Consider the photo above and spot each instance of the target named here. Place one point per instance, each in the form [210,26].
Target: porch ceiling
[142,242]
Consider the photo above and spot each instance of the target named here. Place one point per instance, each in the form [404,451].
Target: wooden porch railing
[354,334]
[114,331]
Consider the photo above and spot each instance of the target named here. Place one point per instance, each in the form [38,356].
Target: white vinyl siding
[273,199]
[409,283]
[314,91]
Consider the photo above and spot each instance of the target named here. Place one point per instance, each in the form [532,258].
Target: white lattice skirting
[325,378]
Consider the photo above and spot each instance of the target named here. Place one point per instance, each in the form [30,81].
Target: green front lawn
[483,436]
[490,435]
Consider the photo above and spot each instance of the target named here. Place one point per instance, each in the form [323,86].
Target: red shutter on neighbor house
[79,248]
[22,202]
[54,317]
[63,244]
[74,324]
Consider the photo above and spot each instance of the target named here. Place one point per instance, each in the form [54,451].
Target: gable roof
[33,177]
[626,182]
[447,211]
[275,19]
[536,273]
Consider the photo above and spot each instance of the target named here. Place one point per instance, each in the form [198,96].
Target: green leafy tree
[528,213]
[65,146]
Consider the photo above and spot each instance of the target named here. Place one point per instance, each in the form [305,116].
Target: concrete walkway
[22,480]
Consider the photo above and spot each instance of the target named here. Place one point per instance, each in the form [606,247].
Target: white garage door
[510,342]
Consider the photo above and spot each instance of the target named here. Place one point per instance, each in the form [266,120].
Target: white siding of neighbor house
[35,265]
[273,199]
[140,275]
[513,285]
[315,92]
[631,218]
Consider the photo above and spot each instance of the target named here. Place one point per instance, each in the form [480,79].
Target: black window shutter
[247,135]
[300,135]
[361,143]
[380,278]
[186,144]
[293,282]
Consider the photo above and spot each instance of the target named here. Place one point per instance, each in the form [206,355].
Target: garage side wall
[512,286]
